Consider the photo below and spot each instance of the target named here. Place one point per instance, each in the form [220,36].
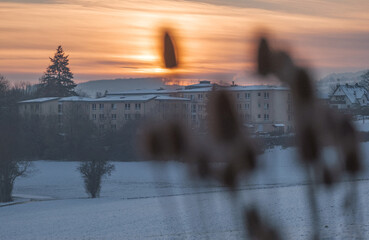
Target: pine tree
[57,81]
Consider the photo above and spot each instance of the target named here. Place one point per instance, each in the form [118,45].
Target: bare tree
[11,165]
[94,167]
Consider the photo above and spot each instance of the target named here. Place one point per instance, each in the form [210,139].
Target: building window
[266,95]
[259,116]
[94,106]
[137,116]
[101,116]
[259,105]
[258,94]
[127,106]
[238,96]
[101,106]
[138,106]
[247,95]
[193,108]
[247,106]
[60,108]
[266,106]
[127,116]
[114,116]
[94,116]
[114,106]
[266,117]
[101,126]
[113,126]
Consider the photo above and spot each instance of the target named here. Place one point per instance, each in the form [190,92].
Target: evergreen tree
[57,81]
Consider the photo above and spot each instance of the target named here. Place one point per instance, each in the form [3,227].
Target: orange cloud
[120,38]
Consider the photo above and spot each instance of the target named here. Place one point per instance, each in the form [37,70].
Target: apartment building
[260,108]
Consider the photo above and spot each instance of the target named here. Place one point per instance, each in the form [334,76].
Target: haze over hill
[326,84]
[114,85]
[123,84]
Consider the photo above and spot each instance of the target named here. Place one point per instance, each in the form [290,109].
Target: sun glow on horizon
[120,38]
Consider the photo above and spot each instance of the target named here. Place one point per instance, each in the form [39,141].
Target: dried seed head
[203,167]
[328,177]
[253,222]
[347,130]
[309,144]
[229,176]
[259,229]
[248,158]
[154,145]
[177,139]
[264,58]
[283,66]
[352,162]
[169,52]
[224,122]
[303,87]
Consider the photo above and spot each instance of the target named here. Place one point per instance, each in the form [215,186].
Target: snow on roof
[255,88]
[172,98]
[40,100]
[278,125]
[205,89]
[74,99]
[141,98]
[353,93]
[200,85]
[142,92]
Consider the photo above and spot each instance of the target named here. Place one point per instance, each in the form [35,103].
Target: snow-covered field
[143,200]
[362,126]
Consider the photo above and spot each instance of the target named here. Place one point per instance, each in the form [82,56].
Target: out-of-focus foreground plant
[316,127]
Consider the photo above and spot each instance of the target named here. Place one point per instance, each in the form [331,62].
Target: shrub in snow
[94,167]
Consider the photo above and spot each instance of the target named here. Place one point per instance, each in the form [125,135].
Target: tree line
[24,138]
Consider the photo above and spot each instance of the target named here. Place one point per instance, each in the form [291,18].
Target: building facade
[260,108]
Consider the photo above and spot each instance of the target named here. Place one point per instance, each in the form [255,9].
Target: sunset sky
[120,38]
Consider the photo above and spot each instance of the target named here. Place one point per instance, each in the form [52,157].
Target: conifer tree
[57,81]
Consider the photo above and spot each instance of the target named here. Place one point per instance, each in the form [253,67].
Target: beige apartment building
[260,108]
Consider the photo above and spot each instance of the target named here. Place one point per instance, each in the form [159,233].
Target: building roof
[142,92]
[255,88]
[40,100]
[353,92]
[74,99]
[171,98]
[139,98]
[202,84]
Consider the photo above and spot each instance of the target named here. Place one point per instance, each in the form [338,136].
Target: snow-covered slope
[326,84]
[144,200]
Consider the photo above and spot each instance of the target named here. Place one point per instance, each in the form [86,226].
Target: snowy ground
[143,200]
[362,126]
